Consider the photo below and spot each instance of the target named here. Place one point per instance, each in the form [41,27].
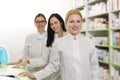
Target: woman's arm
[52,67]
[43,60]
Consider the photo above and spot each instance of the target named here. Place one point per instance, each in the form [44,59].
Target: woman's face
[74,24]
[55,24]
[40,23]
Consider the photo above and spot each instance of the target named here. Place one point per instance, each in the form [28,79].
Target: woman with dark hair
[52,29]
[56,29]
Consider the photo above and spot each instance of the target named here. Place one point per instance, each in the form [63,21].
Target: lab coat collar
[74,37]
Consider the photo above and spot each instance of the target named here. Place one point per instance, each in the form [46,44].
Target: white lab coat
[34,45]
[62,58]
[45,57]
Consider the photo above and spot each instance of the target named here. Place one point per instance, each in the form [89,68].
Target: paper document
[7,78]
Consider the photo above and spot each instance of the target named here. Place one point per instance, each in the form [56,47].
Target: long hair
[50,32]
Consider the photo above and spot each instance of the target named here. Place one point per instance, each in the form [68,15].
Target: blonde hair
[72,11]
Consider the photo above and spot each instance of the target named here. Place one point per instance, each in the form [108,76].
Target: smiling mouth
[75,28]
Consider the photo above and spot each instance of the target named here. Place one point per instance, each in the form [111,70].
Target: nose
[75,23]
[54,26]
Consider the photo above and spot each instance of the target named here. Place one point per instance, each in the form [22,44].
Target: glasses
[40,22]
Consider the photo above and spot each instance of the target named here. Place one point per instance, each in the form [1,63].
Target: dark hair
[40,15]
[50,32]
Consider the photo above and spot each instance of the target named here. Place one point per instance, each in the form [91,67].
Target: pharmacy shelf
[97,15]
[115,11]
[94,1]
[107,11]
[103,62]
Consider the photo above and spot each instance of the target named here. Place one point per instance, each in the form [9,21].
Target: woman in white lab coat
[77,53]
[34,45]
[73,54]
[78,56]
[56,29]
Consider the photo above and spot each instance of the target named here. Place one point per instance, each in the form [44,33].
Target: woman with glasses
[34,46]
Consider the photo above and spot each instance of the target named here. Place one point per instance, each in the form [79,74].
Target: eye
[71,21]
[78,21]
[56,22]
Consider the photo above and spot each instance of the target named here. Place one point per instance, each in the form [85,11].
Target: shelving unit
[101,23]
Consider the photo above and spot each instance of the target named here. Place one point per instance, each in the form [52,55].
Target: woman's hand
[22,64]
[30,75]
[15,62]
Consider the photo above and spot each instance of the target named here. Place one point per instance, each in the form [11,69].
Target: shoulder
[31,35]
[45,34]
[62,39]
[86,39]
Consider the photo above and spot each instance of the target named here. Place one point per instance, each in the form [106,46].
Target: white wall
[16,20]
